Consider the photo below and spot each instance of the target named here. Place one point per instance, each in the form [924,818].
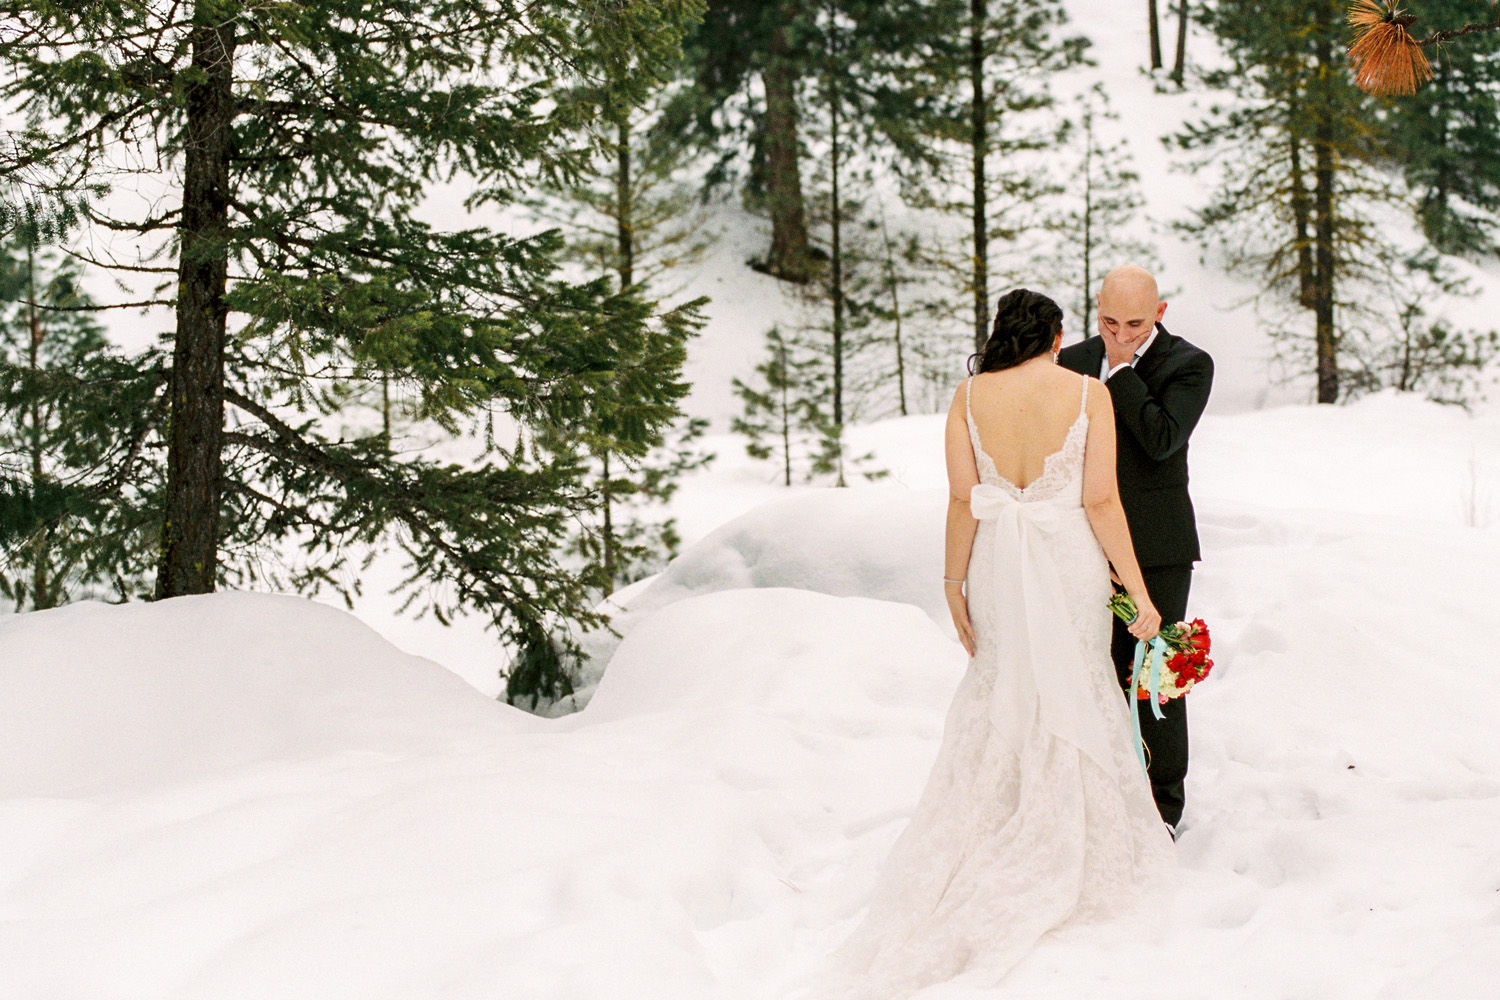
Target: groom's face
[1127,315]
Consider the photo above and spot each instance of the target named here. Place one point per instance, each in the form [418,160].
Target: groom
[1158,385]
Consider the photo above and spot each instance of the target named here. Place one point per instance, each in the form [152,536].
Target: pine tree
[632,216]
[787,415]
[893,284]
[737,45]
[776,413]
[58,423]
[1387,59]
[1297,154]
[1397,342]
[305,140]
[981,68]
[1447,137]
[1099,207]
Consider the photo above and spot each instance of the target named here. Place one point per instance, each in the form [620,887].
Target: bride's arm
[958,537]
[1101,499]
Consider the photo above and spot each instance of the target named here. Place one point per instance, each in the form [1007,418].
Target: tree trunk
[1302,221]
[625,245]
[1155,29]
[1088,220]
[624,200]
[190,523]
[890,267]
[1436,206]
[385,407]
[838,259]
[609,531]
[786,417]
[979,138]
[41,583]
[1179,62]
[789,249]
[1326,340]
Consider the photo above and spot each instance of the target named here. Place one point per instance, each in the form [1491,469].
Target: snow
[249,795]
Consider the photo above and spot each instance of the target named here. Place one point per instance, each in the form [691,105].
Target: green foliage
[787,414]
[1296,155]
[631,219]
[1099,206]
[347,120]
[72,419]
[976,156]
[1401,340]
[1446,136]
[727,52]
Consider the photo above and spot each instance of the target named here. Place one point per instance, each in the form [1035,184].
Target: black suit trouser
[1166,739]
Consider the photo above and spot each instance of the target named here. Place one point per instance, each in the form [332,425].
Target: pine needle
[1387,60]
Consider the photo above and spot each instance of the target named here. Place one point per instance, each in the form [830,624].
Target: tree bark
[41,583]
[979,138]
[890,269]
[1179,62]
[609,530]
[1155,29]
[1302,222]
[625,246]
[789,248]
[1088,220]
[1326,343]
[838,260]
[624,199]
[190,523]
[786,416]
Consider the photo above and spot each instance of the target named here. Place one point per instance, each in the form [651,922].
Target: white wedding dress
[1036,813]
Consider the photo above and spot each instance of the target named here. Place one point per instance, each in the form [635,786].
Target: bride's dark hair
[1026,324]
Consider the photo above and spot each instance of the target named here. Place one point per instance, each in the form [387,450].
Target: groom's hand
[1117,353]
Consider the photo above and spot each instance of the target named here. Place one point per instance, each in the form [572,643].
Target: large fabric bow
[1041,673]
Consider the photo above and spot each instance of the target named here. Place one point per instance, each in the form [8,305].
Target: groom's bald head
[1132,280]
[1129,305]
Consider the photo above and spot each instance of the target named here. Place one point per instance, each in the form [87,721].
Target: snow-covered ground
[250,796]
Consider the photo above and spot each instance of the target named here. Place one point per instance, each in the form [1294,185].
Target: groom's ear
[1161,310]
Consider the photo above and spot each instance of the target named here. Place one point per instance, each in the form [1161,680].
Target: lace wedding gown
[1036,812]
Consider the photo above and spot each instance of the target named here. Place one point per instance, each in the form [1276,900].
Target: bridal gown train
[1036,813]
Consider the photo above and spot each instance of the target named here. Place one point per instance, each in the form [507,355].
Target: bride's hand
[958,607]
[1147,621]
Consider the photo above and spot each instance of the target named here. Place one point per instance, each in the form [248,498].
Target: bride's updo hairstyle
[1026,324]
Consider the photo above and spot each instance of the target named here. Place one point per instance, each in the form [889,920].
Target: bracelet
[946,580]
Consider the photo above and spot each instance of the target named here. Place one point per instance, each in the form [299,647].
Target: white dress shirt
[1105,371]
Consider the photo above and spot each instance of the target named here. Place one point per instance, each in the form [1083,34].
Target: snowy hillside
[249,796]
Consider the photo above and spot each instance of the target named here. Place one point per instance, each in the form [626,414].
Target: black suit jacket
[1157,404]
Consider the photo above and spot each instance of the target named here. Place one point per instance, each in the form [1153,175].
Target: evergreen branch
[113,266]
[1468,29]
[297,516]
[94,307]
[42,154]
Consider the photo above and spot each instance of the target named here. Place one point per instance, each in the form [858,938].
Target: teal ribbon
[1149,657]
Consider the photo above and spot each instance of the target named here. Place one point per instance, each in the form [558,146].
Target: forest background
[434,307]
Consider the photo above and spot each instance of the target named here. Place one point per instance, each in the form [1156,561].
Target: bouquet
[1175,674]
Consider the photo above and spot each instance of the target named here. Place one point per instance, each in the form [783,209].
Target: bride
[1036,813]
